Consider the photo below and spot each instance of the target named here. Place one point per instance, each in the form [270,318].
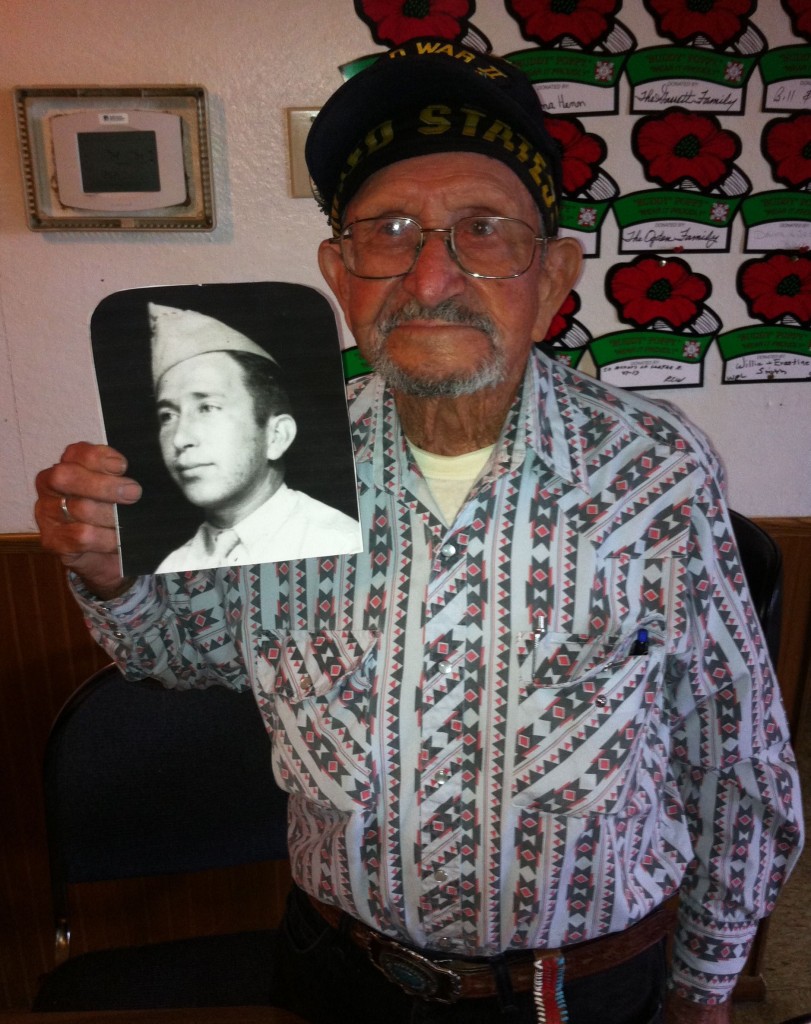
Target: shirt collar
[554,422]
[252,530]
[547,427]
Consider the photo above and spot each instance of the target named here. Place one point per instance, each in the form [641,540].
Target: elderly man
[537,705]
[225,425]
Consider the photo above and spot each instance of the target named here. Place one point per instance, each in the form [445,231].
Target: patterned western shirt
[482,750]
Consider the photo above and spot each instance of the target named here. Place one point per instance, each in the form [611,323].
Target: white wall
[256,58]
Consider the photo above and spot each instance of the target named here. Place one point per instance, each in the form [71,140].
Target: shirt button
[441,875]
[445,942]
[445,668]
[601,701]
[306,684]
[442,776]
[118,634]
[448,550]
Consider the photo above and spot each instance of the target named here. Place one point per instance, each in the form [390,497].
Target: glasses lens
[381,246]
[493,246]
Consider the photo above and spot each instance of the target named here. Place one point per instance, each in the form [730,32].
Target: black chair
[142,781]
[763,566]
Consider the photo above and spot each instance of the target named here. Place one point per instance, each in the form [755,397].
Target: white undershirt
[450,477]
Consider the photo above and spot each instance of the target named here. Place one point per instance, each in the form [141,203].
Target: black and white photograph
[228,402]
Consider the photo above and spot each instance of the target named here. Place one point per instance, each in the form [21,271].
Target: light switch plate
[299,120]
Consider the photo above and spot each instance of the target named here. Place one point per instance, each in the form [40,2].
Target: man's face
[437,327]
[211,443]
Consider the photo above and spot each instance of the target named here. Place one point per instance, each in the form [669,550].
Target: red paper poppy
[786,144]
[548,21]
[582,152]
[681,144]
[562,320]
[393,22]
[777,286]
[799,11]
[651,289]
[720,21]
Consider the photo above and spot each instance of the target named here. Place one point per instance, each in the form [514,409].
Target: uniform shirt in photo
[290,524]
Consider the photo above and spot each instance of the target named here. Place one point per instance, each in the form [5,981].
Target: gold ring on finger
[63,505]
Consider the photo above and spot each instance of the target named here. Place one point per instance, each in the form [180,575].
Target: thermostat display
[119,160]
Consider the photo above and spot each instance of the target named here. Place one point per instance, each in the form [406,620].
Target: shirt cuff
[709,956]
[115,622]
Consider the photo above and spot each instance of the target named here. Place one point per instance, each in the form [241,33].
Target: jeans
[330,980]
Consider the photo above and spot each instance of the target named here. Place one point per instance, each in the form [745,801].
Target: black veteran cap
[431,96]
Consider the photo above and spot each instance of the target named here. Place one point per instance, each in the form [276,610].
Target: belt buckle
[414,973]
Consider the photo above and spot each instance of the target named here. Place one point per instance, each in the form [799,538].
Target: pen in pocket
[641,643]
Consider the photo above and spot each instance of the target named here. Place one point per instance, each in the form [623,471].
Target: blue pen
[641,643]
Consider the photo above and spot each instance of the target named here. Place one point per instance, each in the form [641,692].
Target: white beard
[486,375]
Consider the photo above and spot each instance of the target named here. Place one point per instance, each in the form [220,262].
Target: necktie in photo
[220,544]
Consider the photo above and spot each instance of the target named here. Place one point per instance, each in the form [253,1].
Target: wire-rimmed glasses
[487,247]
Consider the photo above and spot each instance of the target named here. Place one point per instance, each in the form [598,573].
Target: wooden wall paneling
[46,655]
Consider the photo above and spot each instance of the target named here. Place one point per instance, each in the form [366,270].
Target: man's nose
[435,275]
[183,434]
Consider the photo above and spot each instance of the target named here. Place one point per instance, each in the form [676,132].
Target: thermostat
[118,159]
[115,158]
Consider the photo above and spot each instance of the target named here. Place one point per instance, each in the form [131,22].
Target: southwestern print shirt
[482,749]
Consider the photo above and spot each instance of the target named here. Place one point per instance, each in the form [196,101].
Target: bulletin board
[717,119]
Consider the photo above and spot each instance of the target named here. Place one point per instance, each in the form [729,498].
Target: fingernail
[115,464]
[129,492]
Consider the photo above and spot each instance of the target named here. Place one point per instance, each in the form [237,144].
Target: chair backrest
[142,780]
[763,566]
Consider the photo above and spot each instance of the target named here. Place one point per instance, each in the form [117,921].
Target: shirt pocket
[584,706]
[315,690]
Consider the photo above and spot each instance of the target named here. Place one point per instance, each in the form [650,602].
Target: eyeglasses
[488,247]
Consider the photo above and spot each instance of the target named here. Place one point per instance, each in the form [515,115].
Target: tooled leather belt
[433,977]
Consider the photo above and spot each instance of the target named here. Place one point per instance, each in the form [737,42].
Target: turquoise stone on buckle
[414,973]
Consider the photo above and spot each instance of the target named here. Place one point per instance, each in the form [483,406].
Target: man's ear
[561,269]
[335,273]
[281,432]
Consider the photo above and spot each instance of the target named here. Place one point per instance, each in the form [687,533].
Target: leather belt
[433,977]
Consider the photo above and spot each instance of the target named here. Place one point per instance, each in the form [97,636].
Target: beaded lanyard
[547,991]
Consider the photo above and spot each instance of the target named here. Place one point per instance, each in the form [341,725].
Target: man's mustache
[448,311]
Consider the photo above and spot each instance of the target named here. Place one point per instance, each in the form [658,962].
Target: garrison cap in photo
[180,334]
[431,96]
